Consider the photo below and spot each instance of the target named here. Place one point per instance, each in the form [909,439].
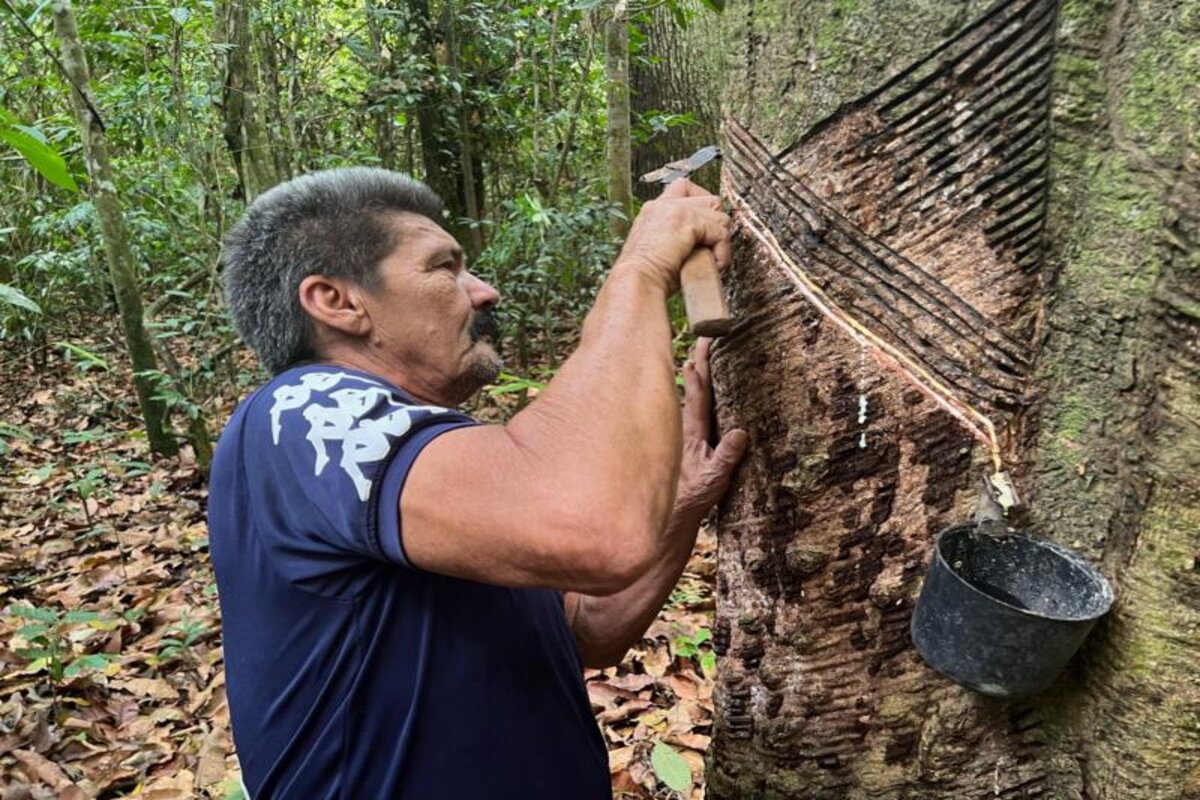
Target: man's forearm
[606,627]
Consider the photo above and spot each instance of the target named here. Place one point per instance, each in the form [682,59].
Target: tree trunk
[384,111]
[276,130]
[1082,344]
[245,132]
[437,123]
[620,181]
[677,73]
[122,268]
[466,158]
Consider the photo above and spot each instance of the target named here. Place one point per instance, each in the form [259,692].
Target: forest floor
[111,678]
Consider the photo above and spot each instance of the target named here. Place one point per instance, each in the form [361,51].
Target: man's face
[432,318]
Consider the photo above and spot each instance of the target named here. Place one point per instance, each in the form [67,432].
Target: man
[408,596]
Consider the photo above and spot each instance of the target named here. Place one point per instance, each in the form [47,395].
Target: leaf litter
[111,672]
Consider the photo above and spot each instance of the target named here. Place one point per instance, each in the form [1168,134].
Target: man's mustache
[484,323]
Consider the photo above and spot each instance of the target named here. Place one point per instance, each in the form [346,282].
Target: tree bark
[823,542]
[275,118]
[467,162]
[245,132]
[437,124]
[620,181]
[122,268]
[678,72]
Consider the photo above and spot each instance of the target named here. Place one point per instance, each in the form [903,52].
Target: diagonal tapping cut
[972,419]
[913,217]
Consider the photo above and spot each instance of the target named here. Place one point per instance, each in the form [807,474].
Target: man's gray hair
[334,222]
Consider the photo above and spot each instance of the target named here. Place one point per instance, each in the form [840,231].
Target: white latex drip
[862,394]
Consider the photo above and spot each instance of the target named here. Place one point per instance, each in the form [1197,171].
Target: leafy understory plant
[54,643]
[86,486]
[184,634]
[11,432]
[33,146]
[697,646]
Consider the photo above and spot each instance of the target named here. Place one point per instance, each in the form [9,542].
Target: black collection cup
[1002,612]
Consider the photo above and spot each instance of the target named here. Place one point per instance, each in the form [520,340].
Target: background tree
[824,541]
[121,266]
[616,67]
[245,127]
[675,77]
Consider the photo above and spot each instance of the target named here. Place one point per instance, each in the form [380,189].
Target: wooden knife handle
[702,295]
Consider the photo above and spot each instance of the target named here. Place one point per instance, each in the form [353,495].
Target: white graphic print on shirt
[364,440]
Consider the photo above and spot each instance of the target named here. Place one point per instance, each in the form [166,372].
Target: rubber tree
[676,74]
[824,539]
[122,268]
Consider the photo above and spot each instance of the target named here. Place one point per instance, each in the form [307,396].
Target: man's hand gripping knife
[606,626]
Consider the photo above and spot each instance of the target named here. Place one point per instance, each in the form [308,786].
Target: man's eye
[446,265]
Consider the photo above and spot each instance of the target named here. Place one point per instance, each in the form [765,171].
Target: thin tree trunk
[384,112]
[824,541]
[122,268]
[466,158]
[245,133]
[439,150]
[276,129]
[568,143]
[620,181]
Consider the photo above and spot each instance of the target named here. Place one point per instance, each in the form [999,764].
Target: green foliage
[231,789]
[696,646]
[510,384]
[86,358]
[167,391]
[339,84]
[10,432]
[548,263]
[54,642]
[32,145]
[184,634]
[649,124]
[13,296]
[671,768]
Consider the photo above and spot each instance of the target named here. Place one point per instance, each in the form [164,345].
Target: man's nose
[482,293]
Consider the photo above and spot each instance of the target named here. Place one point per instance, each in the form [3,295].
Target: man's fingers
[701,358]
[682,187]
[732,447]
[696,406]
[723,253]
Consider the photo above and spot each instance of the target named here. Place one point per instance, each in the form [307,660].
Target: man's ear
[336,303]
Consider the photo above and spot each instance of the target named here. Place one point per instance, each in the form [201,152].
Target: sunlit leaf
[30,632]
[670,767]
[88,663]
[88,358]
[36,614]
[15,297]
[40,156]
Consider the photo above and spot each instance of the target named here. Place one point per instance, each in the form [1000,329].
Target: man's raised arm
[575,492]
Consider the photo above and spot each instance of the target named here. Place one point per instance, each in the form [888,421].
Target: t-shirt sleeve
[326,455]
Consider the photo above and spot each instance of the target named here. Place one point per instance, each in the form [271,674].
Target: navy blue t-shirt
[351,673]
